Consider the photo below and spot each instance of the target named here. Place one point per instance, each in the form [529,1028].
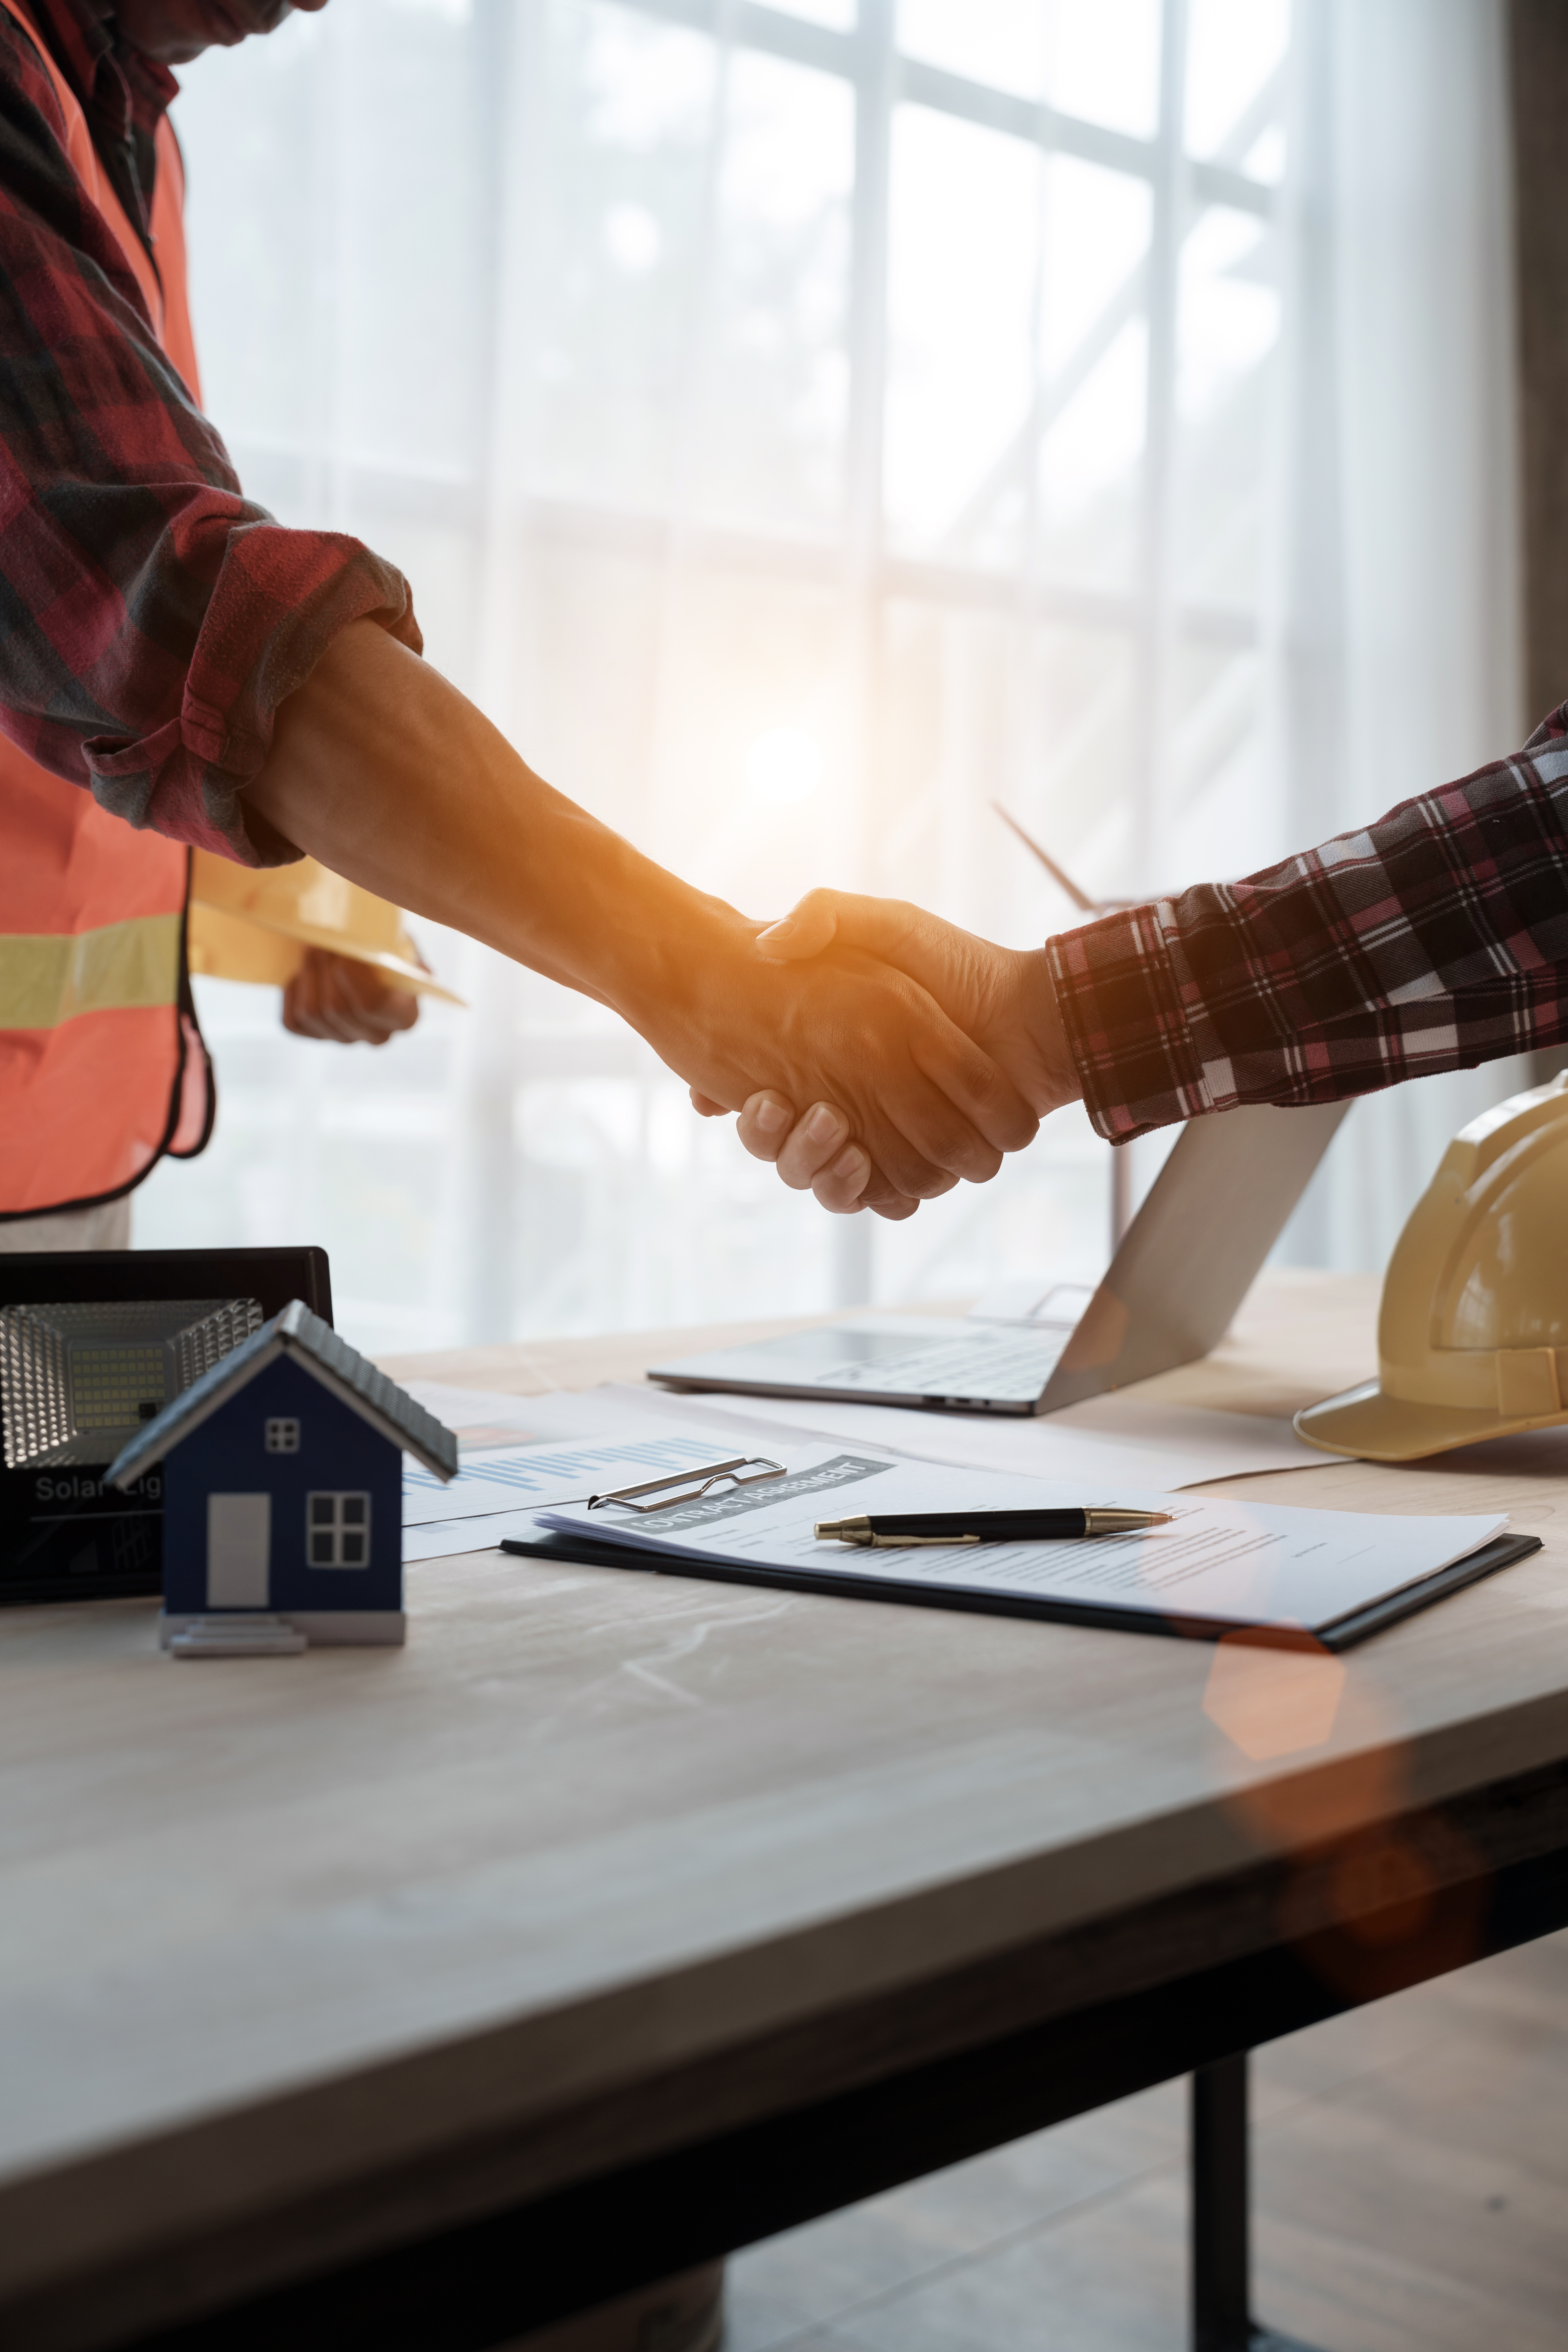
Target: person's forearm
[388,775]
[1435,939]
[1140,1074]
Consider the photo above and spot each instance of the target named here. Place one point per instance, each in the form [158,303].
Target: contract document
[521,1454]
[1331,1577]
[516,1454]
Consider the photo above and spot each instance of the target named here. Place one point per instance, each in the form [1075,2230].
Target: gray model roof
[339,1368]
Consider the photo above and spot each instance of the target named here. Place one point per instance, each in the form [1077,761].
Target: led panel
[78,1378]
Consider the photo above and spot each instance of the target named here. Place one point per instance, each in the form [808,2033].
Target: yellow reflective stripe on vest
[50,977]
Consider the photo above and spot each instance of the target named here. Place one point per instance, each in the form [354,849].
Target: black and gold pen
[900,1533]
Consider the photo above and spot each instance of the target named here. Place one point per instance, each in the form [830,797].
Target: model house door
[239,1550]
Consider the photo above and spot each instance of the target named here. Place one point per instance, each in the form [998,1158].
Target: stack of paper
[1114,1436]
[519,1453]
[1217,1566]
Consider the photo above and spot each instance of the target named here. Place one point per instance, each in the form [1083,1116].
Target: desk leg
[1221,2214]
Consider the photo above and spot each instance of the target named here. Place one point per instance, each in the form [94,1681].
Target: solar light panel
[78,1378]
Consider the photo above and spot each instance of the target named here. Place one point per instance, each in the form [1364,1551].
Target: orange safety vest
[102,1068]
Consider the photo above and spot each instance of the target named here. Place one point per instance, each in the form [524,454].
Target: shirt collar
[124,94]
[122,91]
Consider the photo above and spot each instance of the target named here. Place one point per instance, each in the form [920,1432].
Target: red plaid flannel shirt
[1434,939]
[152,618]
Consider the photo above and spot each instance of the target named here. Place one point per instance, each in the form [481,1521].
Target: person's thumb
[811,925]
[878,926]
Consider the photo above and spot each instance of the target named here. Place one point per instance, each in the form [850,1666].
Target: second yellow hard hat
[255,923]
[1472,1336]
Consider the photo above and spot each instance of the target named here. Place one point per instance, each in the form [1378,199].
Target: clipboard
[1342,1634]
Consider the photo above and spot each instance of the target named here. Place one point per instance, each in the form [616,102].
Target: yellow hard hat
[1472,1335]
[255,923]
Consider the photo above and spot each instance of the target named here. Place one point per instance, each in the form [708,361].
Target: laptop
[1185,1264]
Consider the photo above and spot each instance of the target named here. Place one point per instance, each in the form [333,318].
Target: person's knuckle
[917,1178]
[982,1156]
[947,1137]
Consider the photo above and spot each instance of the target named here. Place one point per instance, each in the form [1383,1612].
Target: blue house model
[283,1493]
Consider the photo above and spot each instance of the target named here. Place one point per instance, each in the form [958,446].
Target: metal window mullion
[506,83]
[681,525]
[863,569]
[1152,777]
[682,545]
[864,489]
[330,265]
[1029,118]
[1024,748]
[750,27]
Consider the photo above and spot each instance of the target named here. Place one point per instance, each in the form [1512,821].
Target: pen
[898,1533]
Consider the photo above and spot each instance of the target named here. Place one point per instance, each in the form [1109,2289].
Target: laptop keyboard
[1013,1371]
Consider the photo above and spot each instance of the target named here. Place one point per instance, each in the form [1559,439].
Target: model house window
[283,1436]
[337,1530]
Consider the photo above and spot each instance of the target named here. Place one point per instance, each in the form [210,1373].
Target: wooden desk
[423,1995]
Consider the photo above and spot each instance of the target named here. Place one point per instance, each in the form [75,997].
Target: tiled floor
[1411,2167]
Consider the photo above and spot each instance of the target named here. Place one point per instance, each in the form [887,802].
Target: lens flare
[784,765]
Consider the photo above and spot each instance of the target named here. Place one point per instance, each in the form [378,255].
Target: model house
[283,1493]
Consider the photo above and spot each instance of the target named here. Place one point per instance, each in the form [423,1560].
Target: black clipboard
[1342,1634]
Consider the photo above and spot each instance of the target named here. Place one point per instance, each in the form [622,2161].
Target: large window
[802,428]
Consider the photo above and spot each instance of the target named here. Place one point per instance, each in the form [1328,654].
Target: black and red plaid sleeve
[1434,939]
[152,619]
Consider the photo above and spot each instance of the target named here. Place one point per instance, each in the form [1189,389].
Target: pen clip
[711,1473]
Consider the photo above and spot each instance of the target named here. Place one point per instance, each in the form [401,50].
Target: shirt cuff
[279,599]
[1135,1023]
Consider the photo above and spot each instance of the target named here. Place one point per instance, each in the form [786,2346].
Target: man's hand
[923,1101]
[815,1154]
[335,996]
[1003,998]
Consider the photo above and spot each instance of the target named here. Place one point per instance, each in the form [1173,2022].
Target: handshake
[930,1053]
[874,1053]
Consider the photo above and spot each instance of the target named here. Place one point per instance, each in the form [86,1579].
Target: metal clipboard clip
[709,1475]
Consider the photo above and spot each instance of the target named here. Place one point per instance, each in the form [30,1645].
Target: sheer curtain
[1402,653]
[802,427]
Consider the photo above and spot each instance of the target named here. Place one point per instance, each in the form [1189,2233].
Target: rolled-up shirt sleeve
[1434,939]
[151,618]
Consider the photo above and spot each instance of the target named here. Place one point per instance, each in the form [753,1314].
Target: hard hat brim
[227,946]
[1372,1427]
